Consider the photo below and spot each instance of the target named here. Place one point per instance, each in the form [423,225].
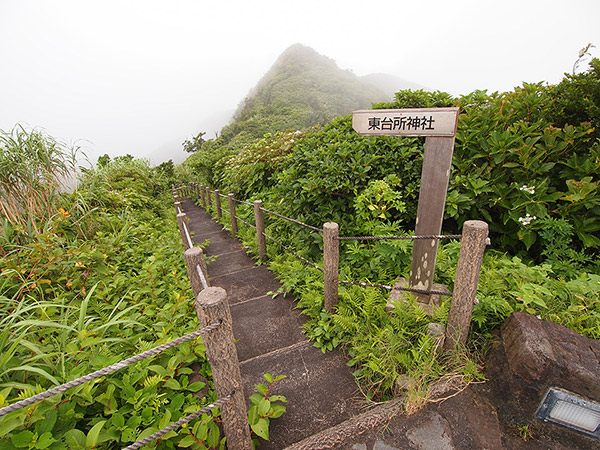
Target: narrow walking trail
[320,388]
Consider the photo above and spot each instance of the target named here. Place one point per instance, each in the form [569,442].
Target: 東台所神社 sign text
[406,122]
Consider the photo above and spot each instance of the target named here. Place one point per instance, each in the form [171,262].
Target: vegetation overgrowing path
[320,388]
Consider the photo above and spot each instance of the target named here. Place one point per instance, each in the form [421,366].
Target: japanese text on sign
[406,122]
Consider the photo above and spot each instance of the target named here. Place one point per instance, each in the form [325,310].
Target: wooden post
[194,260]
[474,236]
[259,219]
[437,160]
[208,203]
[181,219]
[218,204]
[231,201]
[203,196]
[331,259]
[177,205]
[212,305]
[196,190]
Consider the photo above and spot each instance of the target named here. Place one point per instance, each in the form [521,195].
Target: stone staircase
[320,388]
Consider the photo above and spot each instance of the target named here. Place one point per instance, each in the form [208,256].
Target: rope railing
[293,220]
[243,221]
[293,252]
[381,238]
[106,371]
[180,422]
[389,288]
[243,202]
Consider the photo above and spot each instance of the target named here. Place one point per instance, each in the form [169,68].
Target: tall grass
[33,167]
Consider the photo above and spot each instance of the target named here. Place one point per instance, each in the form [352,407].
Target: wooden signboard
[439,127]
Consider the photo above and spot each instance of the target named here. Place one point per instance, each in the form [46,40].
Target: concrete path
[320,388]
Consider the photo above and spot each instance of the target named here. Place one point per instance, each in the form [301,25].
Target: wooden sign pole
[437,160]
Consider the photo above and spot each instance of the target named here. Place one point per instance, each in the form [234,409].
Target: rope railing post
[231,201]
[208,201]
[196,269]
[196,190]
[211,305]
[177,205]
[203,196]
[218,204]
[181,219]
[475,233]
[331,259]
[259,219]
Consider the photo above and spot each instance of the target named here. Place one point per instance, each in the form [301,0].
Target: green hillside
[302,89]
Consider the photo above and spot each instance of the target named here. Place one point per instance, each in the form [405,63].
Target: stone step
[264,324]
[320,390]
[244,284]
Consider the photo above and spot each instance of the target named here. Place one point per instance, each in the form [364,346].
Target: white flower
[527,219]
[528,189]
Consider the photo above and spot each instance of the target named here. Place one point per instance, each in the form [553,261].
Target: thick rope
[187,235]
[202,277]
[293,220]
[243,202]
[180,422]
[107,370]
[381,238]
[389,288]
[293,252]
[243,221]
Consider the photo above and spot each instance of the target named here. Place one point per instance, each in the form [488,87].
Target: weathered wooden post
[474,236]
[203,196]
[259,219]
[181,219]
[196,269]
[231,201]
[177,205]
[437,161]
[218,204]
[331,259]
[212,306]
[439,127]
[196,190]
[208,201]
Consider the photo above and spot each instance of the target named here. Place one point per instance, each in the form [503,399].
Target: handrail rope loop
[180,422]
[293,252]
[107,370]
[293,220]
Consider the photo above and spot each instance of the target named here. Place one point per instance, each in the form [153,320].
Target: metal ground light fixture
[561,407]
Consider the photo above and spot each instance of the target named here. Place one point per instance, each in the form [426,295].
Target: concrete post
[196,269]
[212,305]
[203,196]
[474,236]
[259,219]
[331,259]
[181,219]
[231,201]
[218,204]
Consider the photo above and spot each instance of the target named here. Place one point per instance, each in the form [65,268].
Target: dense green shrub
[525,161]
[103,280]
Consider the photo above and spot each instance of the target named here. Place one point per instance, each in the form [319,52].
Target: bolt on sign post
[439,127]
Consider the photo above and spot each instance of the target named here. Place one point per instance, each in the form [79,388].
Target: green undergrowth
[101,280]
[525,161]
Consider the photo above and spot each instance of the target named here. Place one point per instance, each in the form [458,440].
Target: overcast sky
[140,77]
